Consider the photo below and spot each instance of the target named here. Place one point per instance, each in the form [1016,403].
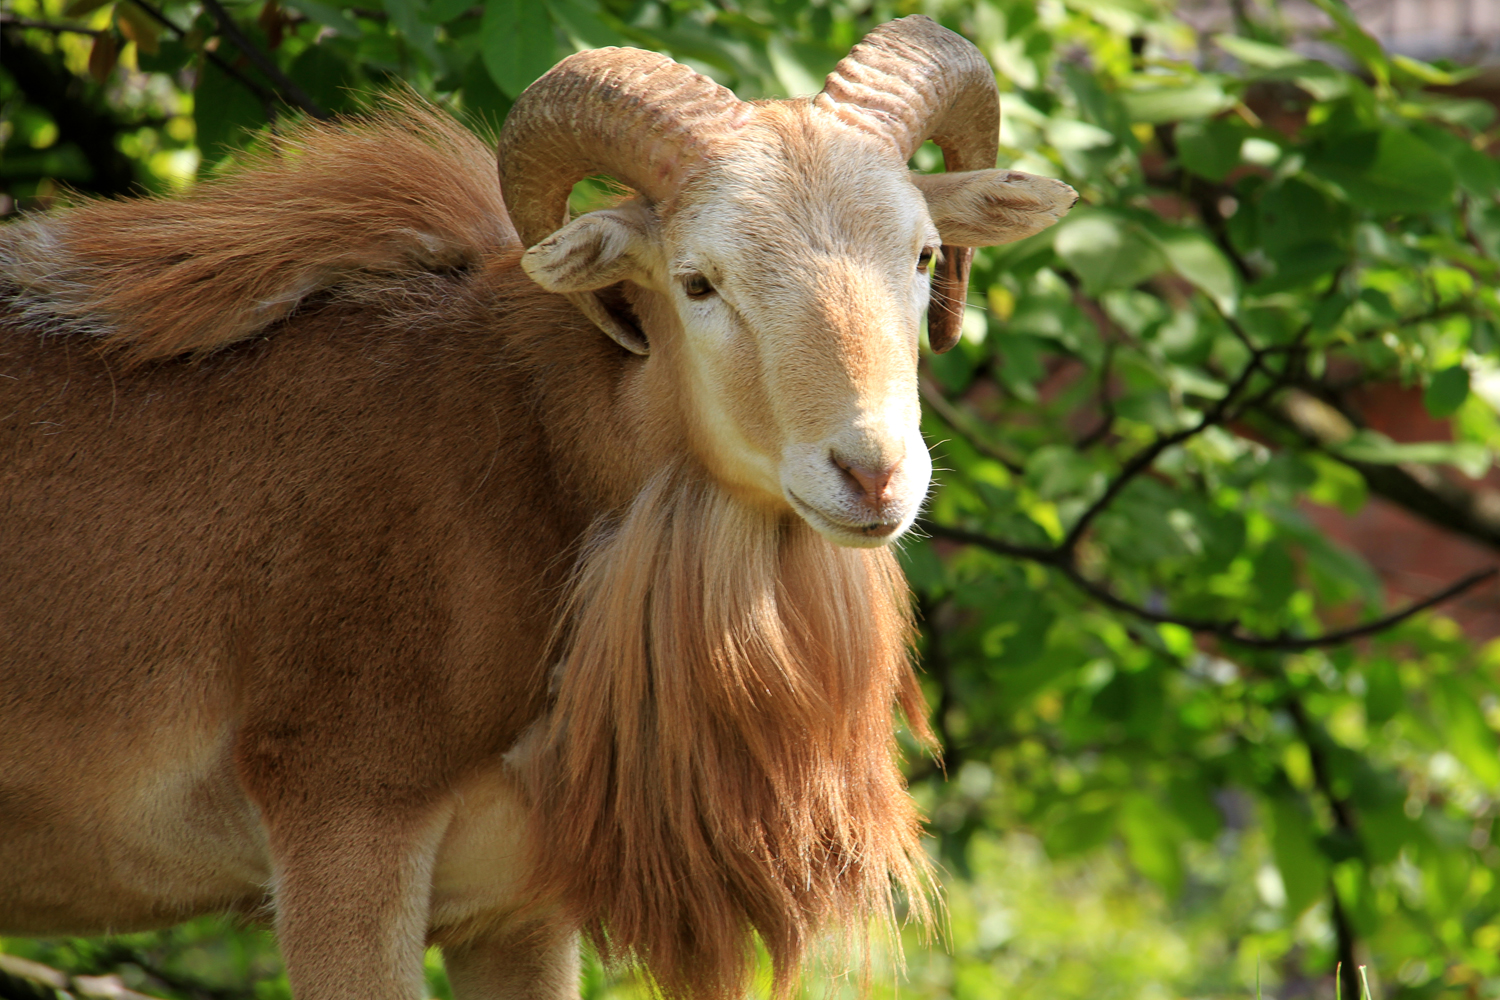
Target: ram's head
[780,254]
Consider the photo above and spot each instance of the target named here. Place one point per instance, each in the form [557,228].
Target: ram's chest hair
[720,754]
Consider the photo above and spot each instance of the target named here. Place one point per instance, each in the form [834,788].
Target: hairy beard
[720,759]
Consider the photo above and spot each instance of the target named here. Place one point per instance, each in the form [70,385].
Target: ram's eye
[924,259]
[697,286]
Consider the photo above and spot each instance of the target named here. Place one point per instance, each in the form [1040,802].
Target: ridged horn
[913,80]
[634,115]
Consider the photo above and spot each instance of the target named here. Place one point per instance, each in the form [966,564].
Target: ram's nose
[870,485]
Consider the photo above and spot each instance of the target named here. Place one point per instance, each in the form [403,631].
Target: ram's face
[798,269]
[782,292]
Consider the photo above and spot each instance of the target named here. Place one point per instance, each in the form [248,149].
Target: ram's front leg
[351,890]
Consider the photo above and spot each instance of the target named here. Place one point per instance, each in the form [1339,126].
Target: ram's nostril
[870,484]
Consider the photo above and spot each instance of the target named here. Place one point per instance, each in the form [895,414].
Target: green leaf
[328,79]
[484,106]
[1447,391]
[139,27]
[1106,251]
[1275,574]
[1077,832]
[1424,71]
[1153,842]
[1466,734]
[796,78]
[1158,105]
[1210,148]
[1476,172]
[1253,53]
[1070,133]
[1301,228]
[1387,171]
[443,11]
[1056,471]
[1469,457]
[410,18]
[583,25]
[170,57]
[517,43]
[923,569]
[1192,801]
[1384,696]
[1304,870]
[82,8]
[1196,257]
[1359,42]
[340,21]
[224,111]
[1329,311]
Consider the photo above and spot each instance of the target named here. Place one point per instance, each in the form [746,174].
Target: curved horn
[634,115]
[913,80]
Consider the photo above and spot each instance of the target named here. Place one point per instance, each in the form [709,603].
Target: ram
[350,577]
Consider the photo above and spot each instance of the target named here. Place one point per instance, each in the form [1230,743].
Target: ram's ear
[981,208]
[593,251]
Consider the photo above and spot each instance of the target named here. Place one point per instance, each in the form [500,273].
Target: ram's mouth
[845,532]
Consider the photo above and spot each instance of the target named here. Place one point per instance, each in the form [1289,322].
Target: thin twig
[1047,556]
[960,422]
[1106,402]
[288,88]
[1143,459]
[57,29]
[935,662]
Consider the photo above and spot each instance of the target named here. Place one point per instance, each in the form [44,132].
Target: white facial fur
[785,286]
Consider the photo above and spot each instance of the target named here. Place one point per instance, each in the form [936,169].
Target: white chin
[849,535]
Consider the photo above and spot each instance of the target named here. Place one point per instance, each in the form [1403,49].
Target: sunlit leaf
[1194,256]
[1471,458]
[1170,104]
[1106,250]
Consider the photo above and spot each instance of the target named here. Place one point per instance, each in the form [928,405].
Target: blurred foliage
[1160,780]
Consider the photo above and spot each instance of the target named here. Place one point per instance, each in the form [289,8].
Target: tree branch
[1205,198]
[1345,825]
[1420,489]
[284,84]
[1062,559]
[964,425]
[1143,459]
[261,94]
[23,979]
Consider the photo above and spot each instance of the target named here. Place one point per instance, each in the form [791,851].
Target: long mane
[721,755]
[323,207]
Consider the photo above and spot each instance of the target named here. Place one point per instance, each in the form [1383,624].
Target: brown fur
[312,579]
[397,193]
